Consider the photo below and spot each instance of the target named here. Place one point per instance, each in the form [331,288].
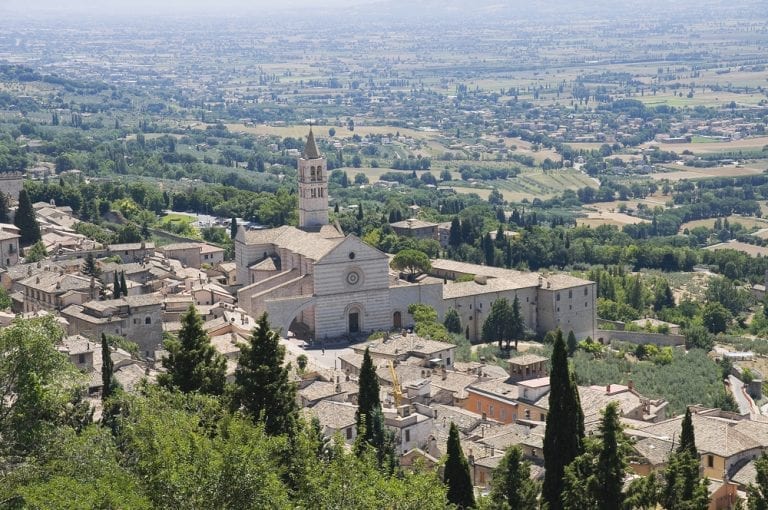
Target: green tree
[108,382]
[26,221]
[456,474]
[370,421]
[116,290]
[123,284]
[573,344]
[504,323]
[35,253]
[684,489]
[564,433]
[595,479]
[415,262]
[511,485]
[263,388]
[687,435]
[5,209]
[452,321]
[90,267]
[643,493]
[233,228]
[193,364]
[698,337]
[757,495]
[40,379]
[715,317]
[129,233]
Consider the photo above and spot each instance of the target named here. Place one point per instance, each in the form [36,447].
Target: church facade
[322,284]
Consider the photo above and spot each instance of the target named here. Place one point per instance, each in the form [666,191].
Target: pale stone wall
[400,296]
[474,309]
[574,310]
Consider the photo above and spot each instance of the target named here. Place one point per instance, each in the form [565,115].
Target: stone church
[322,284]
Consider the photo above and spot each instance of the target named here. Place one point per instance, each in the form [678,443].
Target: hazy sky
[168,6]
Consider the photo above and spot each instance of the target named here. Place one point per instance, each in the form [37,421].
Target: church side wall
[247,255]
[401,296]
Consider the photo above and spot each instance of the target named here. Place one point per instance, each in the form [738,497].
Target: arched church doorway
[354,321]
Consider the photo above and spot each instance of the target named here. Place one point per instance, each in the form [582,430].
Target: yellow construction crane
[397,391]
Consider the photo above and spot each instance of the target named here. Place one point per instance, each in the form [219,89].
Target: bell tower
[313,186]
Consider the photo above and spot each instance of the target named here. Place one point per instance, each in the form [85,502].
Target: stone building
[319,283]
[9,248]
[137,318]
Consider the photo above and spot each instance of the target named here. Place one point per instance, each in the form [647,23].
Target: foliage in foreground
[174,450]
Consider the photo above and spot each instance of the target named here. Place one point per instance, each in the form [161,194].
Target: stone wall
[640,337]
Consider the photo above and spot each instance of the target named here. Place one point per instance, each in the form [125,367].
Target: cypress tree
[263,388]
[123,285]
[687,436]
[511,485]
[89,266]
[456,474]
[684,488]
[360,211]
[757,495]
[108,382]
[370,420]
[611,464]
[26,221]
[5,210]
[572,343]
[116,290]
[233,228]
[192,364]
[564,434]
[368,400]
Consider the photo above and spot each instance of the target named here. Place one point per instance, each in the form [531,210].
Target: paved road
[327,359]
[744,401]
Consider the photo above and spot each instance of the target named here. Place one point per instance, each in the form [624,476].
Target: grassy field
[678,174]
[595,219]
[749,249]
[701,145]
[746,221]
[708,99]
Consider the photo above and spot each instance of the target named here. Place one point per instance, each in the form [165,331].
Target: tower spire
[310,149]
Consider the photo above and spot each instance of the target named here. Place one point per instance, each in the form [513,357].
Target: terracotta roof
[334,415]
[412,223]
[715,435]
[492,285]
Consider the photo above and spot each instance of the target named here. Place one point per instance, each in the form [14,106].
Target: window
[557,297]
[527,414]
[503,413]
[586,291]
[407,435]
[558,308]
[479,406]
[586,305]
[148,320]
[490,410]
[542,417]
[135,320]
[570,294]
[81,359]
[710,461]
[349,432]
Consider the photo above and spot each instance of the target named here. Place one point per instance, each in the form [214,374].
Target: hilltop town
[384,255]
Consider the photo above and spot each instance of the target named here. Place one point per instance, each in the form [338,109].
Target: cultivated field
[301,131]
[756,143]
[747,222]
[749,249]
[596,219]
[704,173]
